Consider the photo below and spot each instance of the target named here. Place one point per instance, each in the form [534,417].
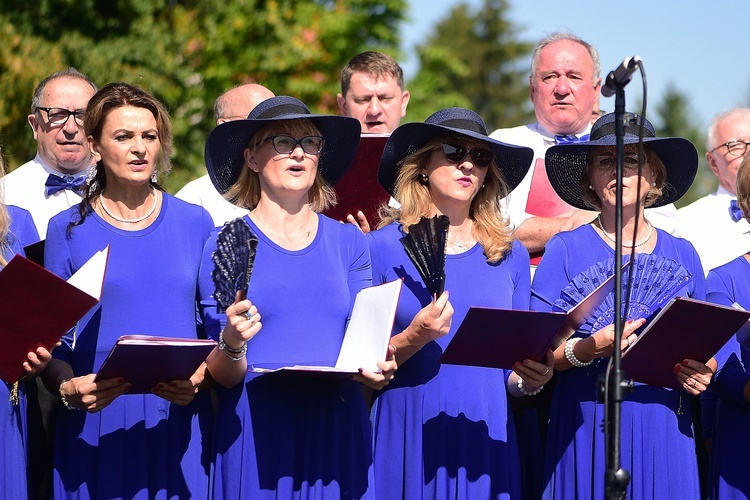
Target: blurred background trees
[187,52]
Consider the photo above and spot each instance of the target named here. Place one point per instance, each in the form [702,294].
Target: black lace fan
[233,262]
[425,246]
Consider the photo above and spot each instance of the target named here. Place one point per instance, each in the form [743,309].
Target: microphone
[621,76]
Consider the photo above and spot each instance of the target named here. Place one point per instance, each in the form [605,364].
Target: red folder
[497,338]
[684,329]
[145,361]
[38,307]
[359,188]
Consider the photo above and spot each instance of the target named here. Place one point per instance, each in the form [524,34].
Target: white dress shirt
[24,187]
[708,225]
[202,192]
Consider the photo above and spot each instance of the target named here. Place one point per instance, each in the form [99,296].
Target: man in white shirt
[564,88]
[234,104]
[53,180]
[714,224]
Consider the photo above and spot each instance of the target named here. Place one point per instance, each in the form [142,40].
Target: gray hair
[36,100]
[732,113]
[559,36]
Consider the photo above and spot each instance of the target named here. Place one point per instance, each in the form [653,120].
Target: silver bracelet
[62,397]
[570,355]
[525,392]
[230,352]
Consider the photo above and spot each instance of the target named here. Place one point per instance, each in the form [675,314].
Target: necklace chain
[129,221]
[639,244]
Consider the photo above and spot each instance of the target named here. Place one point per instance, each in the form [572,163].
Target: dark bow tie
[570,139]
[56,183]
[735,211]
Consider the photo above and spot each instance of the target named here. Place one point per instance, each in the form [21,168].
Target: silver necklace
[128,221]
[639,244]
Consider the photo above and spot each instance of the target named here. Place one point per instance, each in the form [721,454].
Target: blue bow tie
[735,211]
[570,139]
[56,183]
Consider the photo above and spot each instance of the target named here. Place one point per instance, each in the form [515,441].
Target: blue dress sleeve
[519,260]
[57,260]
[551,275]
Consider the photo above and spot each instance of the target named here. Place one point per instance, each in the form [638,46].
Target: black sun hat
[566,163]
[224,153]
[514,161]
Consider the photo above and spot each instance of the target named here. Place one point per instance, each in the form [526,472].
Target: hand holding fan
[233,262]
[425,246]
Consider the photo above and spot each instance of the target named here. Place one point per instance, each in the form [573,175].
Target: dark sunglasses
[480,157]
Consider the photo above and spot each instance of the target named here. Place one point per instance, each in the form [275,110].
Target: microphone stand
[616,478]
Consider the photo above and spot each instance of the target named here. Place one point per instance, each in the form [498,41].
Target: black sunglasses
[480,157]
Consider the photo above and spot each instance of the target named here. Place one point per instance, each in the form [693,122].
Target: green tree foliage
[474,59]
[673,112]
[186,53]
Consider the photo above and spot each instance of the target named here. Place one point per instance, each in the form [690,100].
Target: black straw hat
[514,161]
[226,143]
[566,163]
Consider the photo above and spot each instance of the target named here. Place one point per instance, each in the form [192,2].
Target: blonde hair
[245,192]
[4,223]
[743,187]
[658,186]
[490,228]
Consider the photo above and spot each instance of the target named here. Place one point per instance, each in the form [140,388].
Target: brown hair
[491,229]
[743,187]
[110,97]
[374,64]
[246,191]
[4,221]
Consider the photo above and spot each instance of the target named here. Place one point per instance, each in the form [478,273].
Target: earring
[591,187]
[154,177]
[423,178]
[483,185]
[91,181]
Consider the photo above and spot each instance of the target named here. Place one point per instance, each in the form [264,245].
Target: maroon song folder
[359,188]
[38,307]
[144,361]
[684,329]
[497,338]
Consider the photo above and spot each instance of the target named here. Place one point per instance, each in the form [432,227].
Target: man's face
[564,88]
[64,146]
[723,163]
[376,101]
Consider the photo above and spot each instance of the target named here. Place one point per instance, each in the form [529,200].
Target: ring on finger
[630,342]
[546,370]
[248,315]
[691,382]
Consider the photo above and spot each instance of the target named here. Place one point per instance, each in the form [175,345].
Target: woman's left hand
[379,380]
[693,375]
[535,374]
[181,392]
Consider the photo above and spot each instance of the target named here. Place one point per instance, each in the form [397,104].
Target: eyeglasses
[59,116]
[480,157]
[734,148]
[607,162]
[285,144]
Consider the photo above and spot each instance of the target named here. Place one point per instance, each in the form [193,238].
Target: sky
[697,46]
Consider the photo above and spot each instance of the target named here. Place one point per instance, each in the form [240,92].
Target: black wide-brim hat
[514,161]
[566,163]
[224,153]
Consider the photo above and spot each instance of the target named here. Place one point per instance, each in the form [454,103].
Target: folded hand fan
[425,246]
[656,280]
[233,262]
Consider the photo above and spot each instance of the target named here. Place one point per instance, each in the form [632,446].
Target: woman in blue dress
[729,461]
[657,443]
[16,231]
[445,431]
[108,443]
[278,435]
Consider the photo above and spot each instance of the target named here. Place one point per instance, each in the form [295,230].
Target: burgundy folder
[144,361]
[684,329]
[37,308]
[359,188]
